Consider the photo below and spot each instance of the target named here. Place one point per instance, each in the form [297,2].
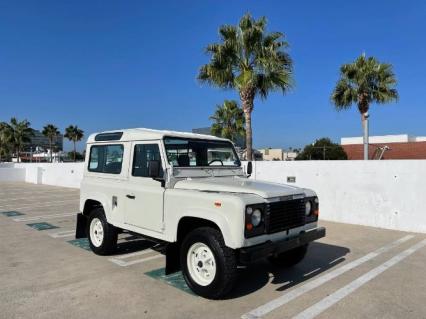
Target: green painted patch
[42,226]
[12,214]
[82,243]
[176,279]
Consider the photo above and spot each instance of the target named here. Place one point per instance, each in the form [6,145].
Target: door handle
[130,196]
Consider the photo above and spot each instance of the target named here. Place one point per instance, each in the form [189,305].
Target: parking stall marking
[335,297]
[301,290]
[36,198]
[45,204]
[120,260]
[62,234]
[25,219]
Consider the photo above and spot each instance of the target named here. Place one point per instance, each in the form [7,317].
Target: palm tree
[251,61]
[228,121]
[20,133]
[51,132]
[74,134]
[5,137]
[363,82]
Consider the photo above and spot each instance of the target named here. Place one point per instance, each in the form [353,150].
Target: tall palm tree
[228,121]
[51,132]
[250,60]
[363,82]
[20,133]
[74,134]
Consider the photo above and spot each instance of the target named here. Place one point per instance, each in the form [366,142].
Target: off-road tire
[110,233]
[290,258]
[225,259]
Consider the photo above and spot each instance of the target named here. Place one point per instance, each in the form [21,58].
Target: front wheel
[102,236]
[289,258]
[208,266]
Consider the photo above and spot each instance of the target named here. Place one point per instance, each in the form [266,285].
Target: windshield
[182,152]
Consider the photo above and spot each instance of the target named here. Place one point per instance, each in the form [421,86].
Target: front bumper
[250,254]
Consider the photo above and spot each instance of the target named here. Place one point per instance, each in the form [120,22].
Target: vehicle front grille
[285,215]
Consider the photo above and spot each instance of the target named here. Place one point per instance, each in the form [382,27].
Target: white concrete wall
[387,194]
[10,174]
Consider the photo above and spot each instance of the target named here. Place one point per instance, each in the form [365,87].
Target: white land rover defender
[190,192]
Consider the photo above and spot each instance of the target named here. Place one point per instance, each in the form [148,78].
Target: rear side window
[142,155]
[106,159]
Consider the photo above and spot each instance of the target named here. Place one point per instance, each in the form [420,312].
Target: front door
[144,197]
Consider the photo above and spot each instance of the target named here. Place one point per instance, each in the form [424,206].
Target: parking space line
[45,204]
[299,291]
[25,219]
[335,297]
[120,259]
[62,234]
[123,263]
[35,198]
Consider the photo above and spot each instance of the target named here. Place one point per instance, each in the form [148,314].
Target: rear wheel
[289,258]
[208,266]
[102,236]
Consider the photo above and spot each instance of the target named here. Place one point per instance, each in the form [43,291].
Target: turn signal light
[249,227]
[316,212]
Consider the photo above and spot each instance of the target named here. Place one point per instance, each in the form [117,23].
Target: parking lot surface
[354,272]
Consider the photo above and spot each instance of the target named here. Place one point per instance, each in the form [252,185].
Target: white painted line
[299,291]
[138,253]
[45,204]
[62,234]
[26,219]
[335,297]
[123,263]
[38,197]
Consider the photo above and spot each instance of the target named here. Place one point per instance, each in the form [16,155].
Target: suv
[191,193]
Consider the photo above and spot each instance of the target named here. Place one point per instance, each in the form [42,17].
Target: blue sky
[118,64]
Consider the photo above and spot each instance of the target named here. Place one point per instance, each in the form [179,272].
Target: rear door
[144,198]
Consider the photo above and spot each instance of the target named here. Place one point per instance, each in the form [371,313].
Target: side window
[106,159]
[144,153]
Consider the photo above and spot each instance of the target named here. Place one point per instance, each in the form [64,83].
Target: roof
[402,138]
[135,134]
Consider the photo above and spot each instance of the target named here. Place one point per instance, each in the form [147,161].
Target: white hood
[239,185]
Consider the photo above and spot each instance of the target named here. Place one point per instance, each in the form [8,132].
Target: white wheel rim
[96,232]
[201,264]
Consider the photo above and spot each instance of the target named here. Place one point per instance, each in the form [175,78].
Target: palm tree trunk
[74,150]
[247,98]
[364,120]
[51,153]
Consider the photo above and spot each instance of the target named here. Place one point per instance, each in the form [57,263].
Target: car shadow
[134,243]
[319,258]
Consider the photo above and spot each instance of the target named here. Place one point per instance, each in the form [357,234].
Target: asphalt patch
[42,226]
[175,280]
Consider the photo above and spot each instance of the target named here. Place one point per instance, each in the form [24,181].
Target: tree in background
[363,82]
[51,132]
[74,134]
[5,137]
[20,133]
[228,121]
[322,149]
[251,61]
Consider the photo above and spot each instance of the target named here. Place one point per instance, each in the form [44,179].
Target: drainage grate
[42,226]
[176,279]
[82,243]
[12,213]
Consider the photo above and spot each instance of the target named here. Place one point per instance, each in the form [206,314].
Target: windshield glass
[182,152]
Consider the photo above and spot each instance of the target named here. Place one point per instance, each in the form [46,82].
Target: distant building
[277,154]
[240,142]
[386,147]
[40,141]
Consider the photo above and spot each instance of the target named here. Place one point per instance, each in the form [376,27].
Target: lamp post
[365,139]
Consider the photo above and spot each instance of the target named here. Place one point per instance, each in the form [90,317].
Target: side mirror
[154,169]
[249,168]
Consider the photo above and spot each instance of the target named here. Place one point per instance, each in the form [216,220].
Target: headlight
[256,217]
[308,208]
